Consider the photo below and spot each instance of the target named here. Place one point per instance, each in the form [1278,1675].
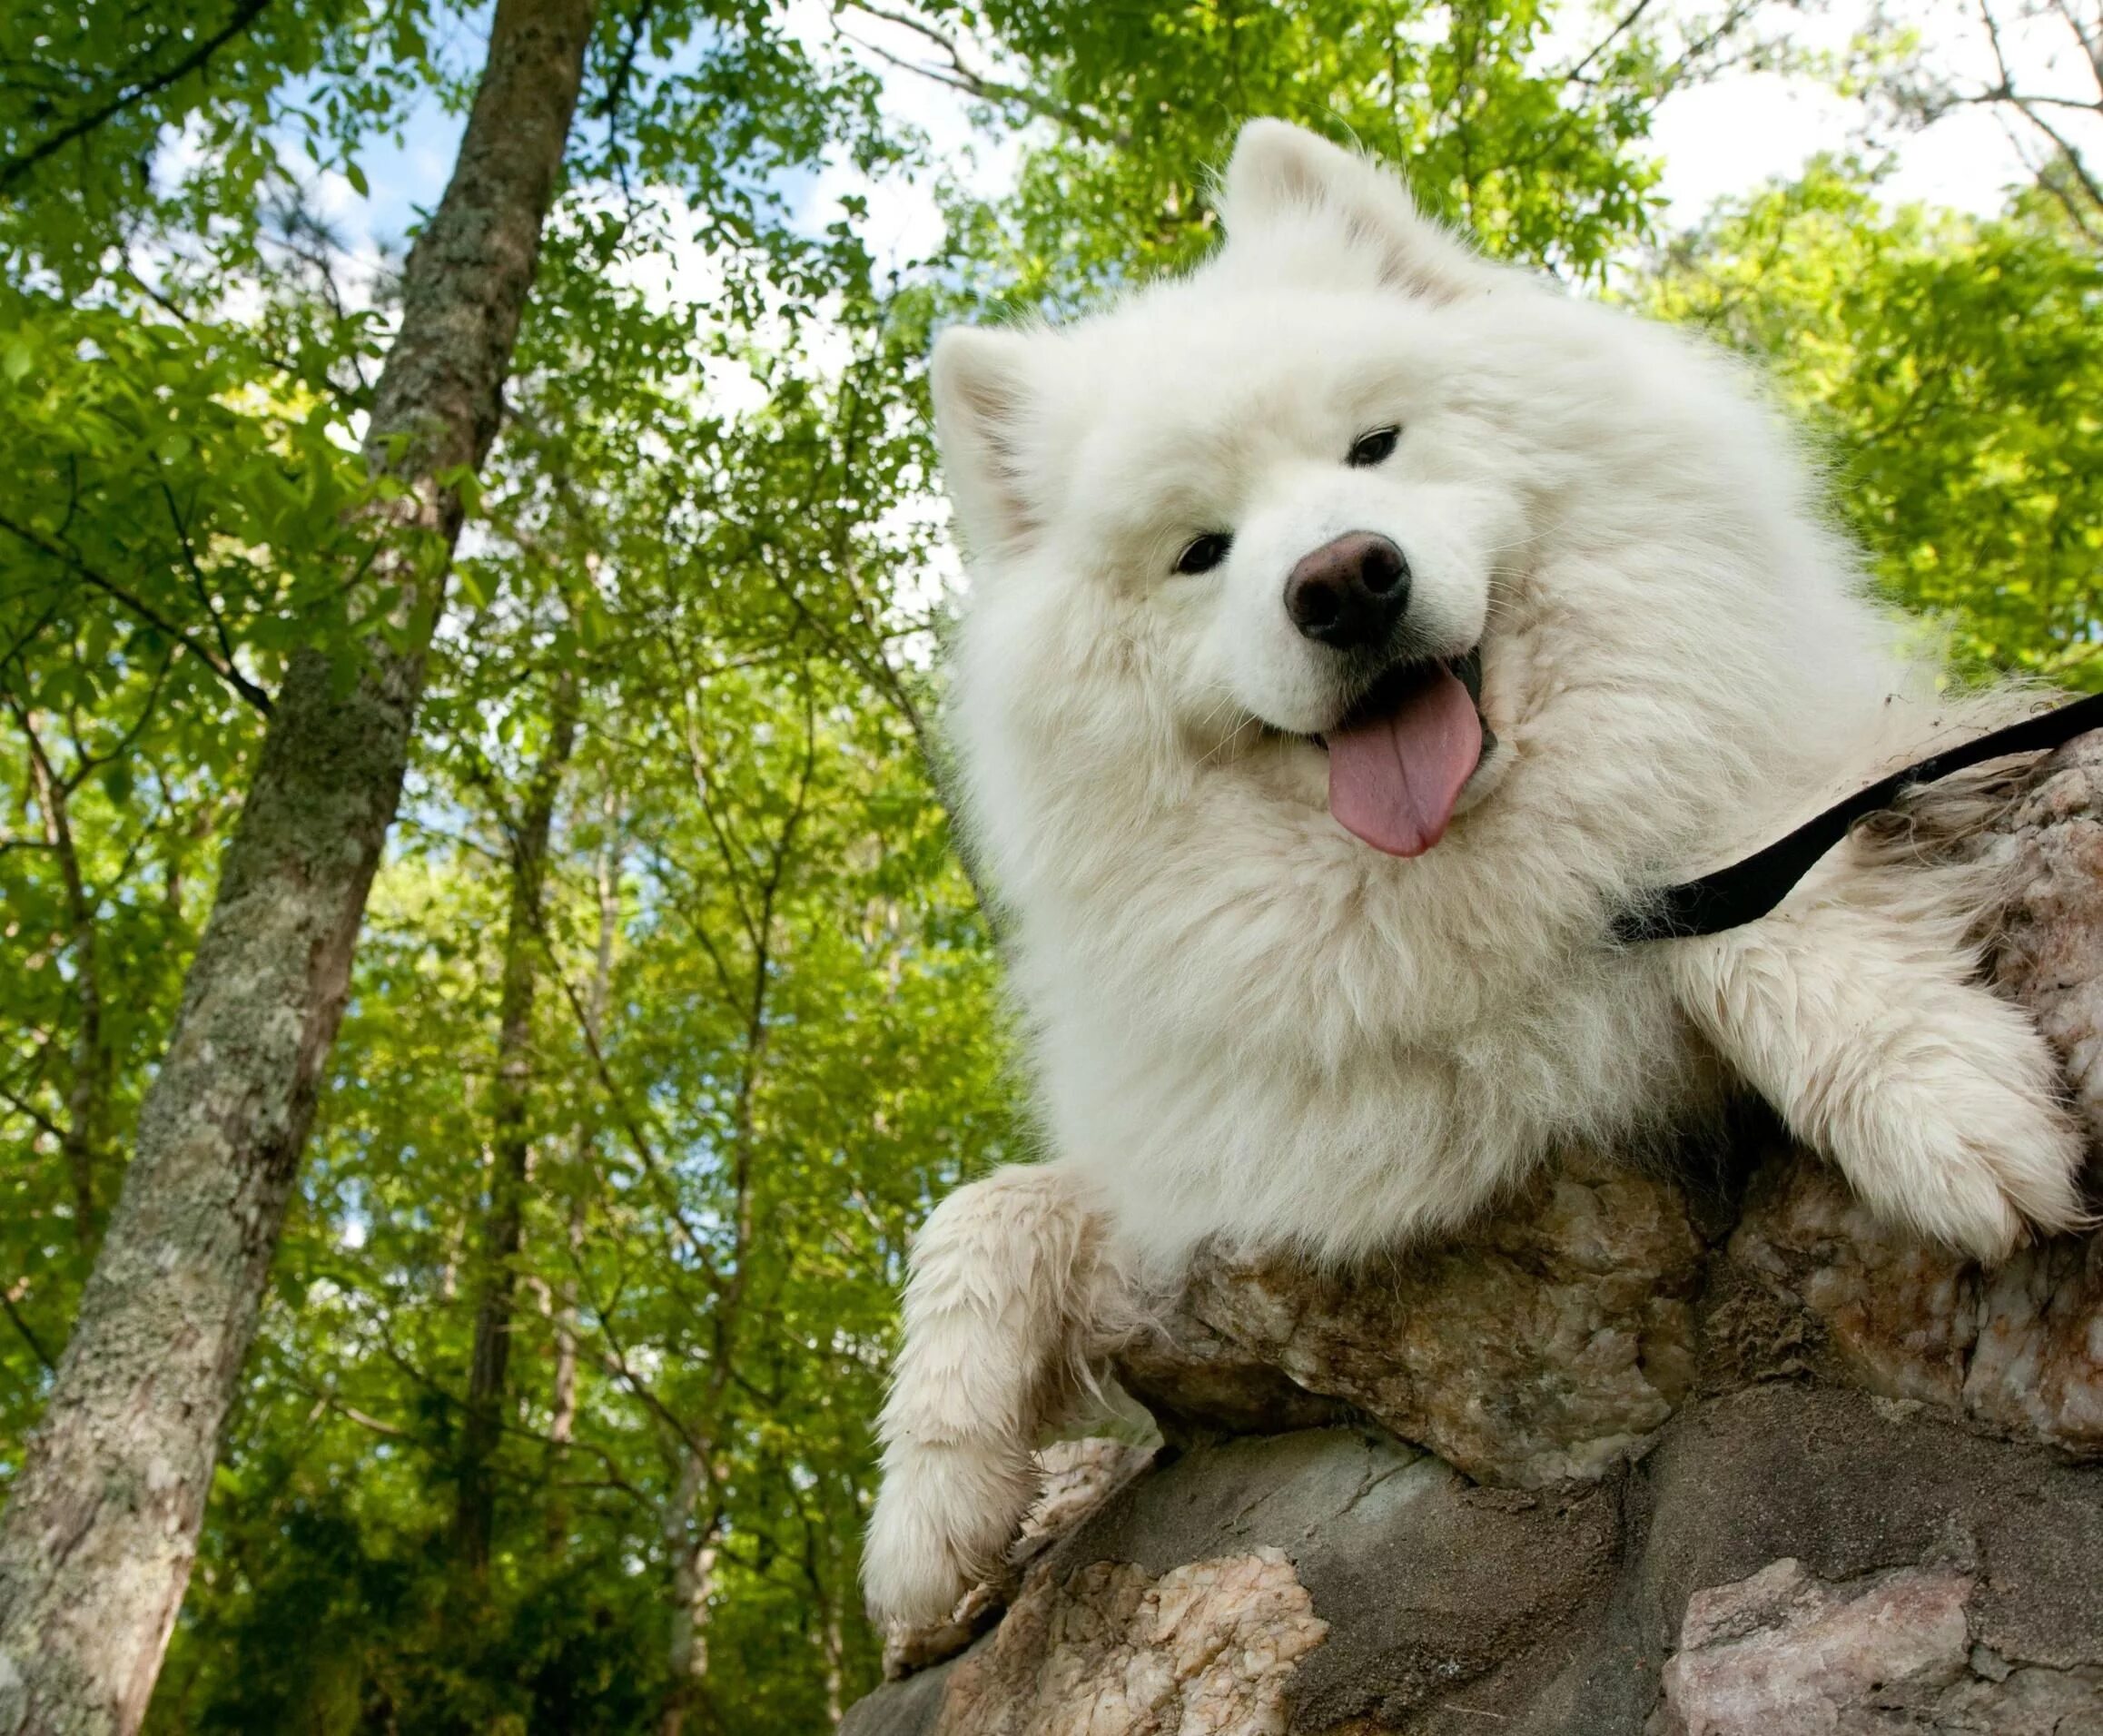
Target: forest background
[672,1007]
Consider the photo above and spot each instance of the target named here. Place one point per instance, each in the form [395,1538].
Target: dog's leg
[1859,1019]
[999,1314]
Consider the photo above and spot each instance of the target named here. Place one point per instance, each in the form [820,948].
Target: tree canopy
[673,1006]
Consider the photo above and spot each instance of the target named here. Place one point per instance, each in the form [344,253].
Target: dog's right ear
[981,379]
[1280,173]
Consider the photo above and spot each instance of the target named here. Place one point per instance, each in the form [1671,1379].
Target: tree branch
[244,14]
[226,672]
[28,1337]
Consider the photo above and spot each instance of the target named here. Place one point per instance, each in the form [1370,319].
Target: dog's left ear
[1281,173]
[984,390]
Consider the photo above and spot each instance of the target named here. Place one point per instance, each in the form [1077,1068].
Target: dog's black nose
[1349,593]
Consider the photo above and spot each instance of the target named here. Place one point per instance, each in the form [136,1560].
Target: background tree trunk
[100,1532]
[562,1400]
[690,1537]
[1641,1454]
[474,1515]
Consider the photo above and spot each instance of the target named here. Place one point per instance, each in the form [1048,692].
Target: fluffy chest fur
[1351,1141]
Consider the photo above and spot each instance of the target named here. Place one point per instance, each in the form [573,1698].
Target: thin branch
[1629,20]
[22,1106]
[699,767]
[244,14]
[364,1419]
[226,672]
[962,76]
[91,763]
[646,1151]
[28,1337]
[197,580]
[2026,106]
[34,628]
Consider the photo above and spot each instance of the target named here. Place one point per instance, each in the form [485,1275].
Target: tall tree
[2037,66]
[510,1133]
[101,1526]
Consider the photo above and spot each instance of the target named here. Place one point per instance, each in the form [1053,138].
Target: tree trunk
[690,1537]
[562,1403]
[474,1513]
[1712,1453]
[99,1535]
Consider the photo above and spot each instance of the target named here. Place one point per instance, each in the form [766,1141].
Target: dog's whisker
[1232,737]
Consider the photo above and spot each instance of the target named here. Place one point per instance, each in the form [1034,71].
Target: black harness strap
[1746,891]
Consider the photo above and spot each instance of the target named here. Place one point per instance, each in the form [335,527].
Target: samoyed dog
[1354,628]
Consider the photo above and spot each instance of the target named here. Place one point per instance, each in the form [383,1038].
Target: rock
[1550,1342]
[1209,1645]
[2019,1350]
[1700,1453]
[1791,1558]
[1784,1651]
[1334,1569]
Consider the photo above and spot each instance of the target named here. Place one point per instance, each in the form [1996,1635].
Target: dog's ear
[1281,174]
[981,379]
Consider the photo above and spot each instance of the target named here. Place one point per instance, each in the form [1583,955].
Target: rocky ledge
[1697,1452]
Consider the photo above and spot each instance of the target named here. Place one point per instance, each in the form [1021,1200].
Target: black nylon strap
[1746,891]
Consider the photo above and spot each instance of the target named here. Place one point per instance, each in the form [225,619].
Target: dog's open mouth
[1405,751]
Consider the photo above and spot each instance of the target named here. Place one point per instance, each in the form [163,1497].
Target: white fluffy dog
[1356,626]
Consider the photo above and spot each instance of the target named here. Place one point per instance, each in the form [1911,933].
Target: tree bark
[562,1405]
[690,1537]
[475,1506]
[101,1530]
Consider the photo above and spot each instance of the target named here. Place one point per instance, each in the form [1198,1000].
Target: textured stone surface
[1546,1343]
[1709,1451]
[1350,1575]
[1783,1651]
[1208,1645]
[1793,1557]
[2019,1350]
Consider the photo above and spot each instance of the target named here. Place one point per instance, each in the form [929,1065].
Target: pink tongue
[1393,781]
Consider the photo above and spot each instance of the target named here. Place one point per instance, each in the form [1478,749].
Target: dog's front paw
[945,1518]
[1974,1150]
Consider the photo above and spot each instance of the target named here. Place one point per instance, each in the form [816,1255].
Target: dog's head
[1258,485]
[1273,529]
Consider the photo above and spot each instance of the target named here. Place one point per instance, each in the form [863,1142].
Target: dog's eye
[1205,553]
[1376,448]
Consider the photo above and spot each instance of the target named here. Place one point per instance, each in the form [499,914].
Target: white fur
[1246,1023]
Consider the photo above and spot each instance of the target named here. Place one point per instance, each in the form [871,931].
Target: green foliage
[1533,139]
[94,88]
[766,1031]
[1953,369]
[795,1042]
